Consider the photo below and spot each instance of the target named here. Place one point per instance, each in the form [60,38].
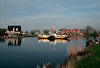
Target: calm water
[30,52]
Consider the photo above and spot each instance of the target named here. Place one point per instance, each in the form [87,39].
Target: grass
[29,35]
[91,61]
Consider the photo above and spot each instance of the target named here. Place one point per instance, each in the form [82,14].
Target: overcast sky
[44,14]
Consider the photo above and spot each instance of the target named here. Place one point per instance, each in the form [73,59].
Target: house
[75,31]
[67,31]
[13,30]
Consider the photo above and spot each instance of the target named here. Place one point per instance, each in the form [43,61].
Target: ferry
[52,36]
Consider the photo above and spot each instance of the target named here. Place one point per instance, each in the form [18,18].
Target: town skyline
[45,14]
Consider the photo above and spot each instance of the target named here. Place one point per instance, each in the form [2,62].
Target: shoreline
[80,57]
[92,60]
[74,60]
[5,37]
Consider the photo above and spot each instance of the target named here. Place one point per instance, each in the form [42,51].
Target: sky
[45,14]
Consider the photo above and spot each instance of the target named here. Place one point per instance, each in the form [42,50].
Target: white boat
[52,36]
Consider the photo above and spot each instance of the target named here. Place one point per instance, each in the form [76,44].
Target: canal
[30,52]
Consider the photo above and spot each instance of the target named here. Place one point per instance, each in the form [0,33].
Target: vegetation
[29,35]
[2,32]
[34,31]
[92,61]
[89,31]
[88,58]
[46,31]
[26,32]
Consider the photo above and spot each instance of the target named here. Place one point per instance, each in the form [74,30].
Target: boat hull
[44,37]
[40,37]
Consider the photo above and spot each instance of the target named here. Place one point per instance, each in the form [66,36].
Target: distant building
[67,31]
[2,31]
[75,31]
[13,30]
[23,33]
[35,32]
[64,31]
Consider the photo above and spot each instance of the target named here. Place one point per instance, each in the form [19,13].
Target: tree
[62,29]
[26,32]
[99,33]
[46,31]
[88,29]
[95,33]
[34,31]
[82,30]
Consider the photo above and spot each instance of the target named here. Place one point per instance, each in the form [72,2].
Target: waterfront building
[64,31]
[75,31]
[13,30]
[67,31]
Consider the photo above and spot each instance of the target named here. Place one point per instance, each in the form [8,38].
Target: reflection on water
[75,44]
[53,42]
[36,52]
[71,50]
[2,40]
[14,41]
[75,37]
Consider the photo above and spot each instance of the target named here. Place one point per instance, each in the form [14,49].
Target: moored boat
[52,36]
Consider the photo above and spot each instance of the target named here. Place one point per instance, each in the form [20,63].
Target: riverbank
[87,58]
[4,37]
[91,61]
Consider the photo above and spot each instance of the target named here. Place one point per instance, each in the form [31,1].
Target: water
[30,52]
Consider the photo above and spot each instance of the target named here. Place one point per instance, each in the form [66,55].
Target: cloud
[44,13]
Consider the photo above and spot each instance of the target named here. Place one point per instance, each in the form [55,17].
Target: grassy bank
[92,61]
[87,58]
[29,35]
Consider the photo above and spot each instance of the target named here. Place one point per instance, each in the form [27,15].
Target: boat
[53,36]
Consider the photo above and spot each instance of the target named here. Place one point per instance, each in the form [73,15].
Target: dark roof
[10,27]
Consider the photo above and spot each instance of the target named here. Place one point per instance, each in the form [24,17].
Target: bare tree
[34,31]
[82,30]
[26,32]
[88,29]
[46,31]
